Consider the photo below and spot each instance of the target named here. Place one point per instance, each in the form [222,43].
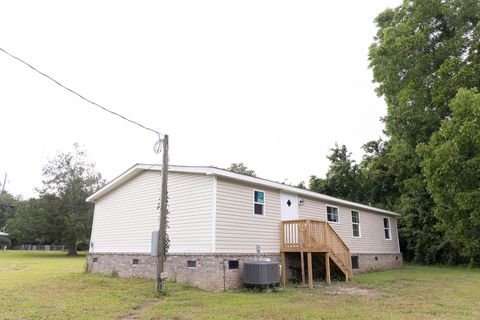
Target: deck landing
[310,236]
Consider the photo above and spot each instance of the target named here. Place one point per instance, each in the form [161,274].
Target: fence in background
[31,247]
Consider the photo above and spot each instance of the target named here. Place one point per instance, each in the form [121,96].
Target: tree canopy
[8,206]
[451,164]
[241,169]
[425,60]
[60,214]
[342,176]
[423,53]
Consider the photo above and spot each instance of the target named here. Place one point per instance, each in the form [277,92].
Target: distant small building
[220,219]
[3,234]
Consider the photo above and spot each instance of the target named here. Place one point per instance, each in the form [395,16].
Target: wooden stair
[347,270]
[339,253]
[312,236]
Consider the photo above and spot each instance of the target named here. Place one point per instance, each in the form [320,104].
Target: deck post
[302,264]
[282,236]
[327,268]
[310,236]
[310,271]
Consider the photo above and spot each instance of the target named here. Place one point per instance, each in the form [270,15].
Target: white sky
[273,84]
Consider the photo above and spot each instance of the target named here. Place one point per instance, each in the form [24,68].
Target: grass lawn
[39,285]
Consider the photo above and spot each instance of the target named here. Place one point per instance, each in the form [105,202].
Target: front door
[289,206]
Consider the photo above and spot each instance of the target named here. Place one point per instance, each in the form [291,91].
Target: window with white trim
[259,202]
[332,214]
[387,228]
[356,224]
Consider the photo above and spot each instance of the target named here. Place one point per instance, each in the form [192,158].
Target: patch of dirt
[345,289]
[14,267]
[134,314]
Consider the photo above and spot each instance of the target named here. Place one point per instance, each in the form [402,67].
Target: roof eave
[304,192]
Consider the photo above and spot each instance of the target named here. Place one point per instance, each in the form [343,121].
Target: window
[259,202]
[135,261]
[332,214]
[356,224]
[95,259]
[354,262]
[191,263]
[232,264]
[386,228]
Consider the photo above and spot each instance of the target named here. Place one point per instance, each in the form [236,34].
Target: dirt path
[342,288]
[135,313]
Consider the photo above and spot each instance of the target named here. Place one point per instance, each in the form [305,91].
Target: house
[219,219]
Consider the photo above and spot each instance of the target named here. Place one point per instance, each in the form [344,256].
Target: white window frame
[326,213]
[264,203]
[389,228]
[357,223]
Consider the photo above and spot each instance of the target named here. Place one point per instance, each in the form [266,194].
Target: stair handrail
[344,255]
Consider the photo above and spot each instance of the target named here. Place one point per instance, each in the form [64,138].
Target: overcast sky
[273,84]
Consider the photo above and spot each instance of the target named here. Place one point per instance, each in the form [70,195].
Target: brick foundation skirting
[212,271]
[377,261]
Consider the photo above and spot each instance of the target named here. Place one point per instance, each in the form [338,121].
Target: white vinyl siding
[238,230]
[125,217]
[372,233]
[190,202]
[215,214]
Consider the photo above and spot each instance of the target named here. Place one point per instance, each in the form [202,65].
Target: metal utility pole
[162,230]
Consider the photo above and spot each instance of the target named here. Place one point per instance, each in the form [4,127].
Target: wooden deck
[310,236]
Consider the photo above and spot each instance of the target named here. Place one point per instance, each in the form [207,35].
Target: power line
[162,143]
[158,145]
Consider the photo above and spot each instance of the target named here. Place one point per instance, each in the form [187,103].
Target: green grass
[53,286]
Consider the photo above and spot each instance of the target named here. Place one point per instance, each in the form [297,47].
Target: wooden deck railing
[315,236]
[339,251]
[307,235]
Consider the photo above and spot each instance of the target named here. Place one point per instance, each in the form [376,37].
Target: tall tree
[37,221]
[7,208]
[423,53]
[241,169]
[452,167]
[71,179]
[377,179]
[60,214]
[342,179]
